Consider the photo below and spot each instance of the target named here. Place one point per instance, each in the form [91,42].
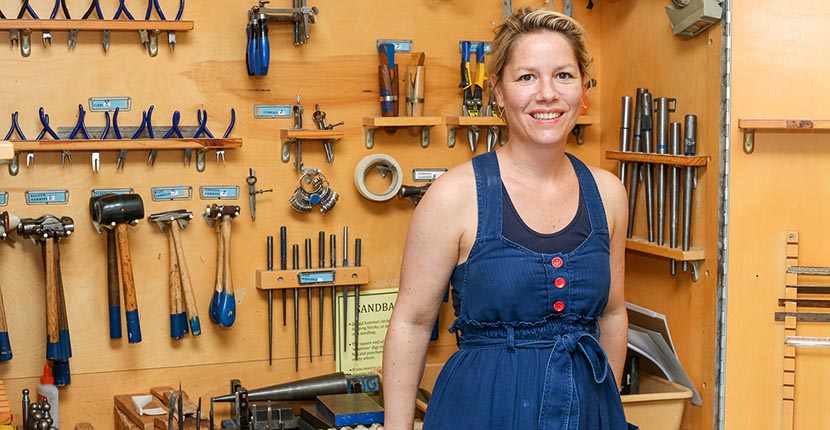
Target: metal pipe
[309,295]
[690,147]
[674,190]
[295,250]
[647,137]
[807,341]
[269,241]
[635,167]
[662,136]
[625,134]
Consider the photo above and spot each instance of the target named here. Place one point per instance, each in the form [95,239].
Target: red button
[556,262]
[559,306]
[559,282]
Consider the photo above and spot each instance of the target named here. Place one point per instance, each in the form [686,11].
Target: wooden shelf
[640,244]
[750,125]
[294,134]
[372,123]
[284,279]
[95,25]
[675,160]
[130,144]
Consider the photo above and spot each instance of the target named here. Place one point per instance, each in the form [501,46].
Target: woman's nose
[547,90]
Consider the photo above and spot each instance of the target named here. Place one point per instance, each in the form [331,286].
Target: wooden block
[161,393]
[122,422]
[124,404]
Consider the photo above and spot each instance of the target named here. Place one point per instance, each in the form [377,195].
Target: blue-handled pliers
[80,127]
[258,52]
[14,166]
[122,9]
[96,7]
[152,42]
[202,130]
[220,153]
[47,35]
[26,33]
[96,154]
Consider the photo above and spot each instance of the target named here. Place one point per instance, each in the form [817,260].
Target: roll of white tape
[378,161]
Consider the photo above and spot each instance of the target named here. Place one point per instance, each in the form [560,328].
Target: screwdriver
[270,253]
[296,266]
[321,262]
[308,291]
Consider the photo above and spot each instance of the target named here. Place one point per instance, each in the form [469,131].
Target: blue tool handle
[53,350]
[465,51]
[226,313]
[213,310]
[480,53]
[115,322]
[65,344]
[195,326]
[250,50]
[178,325]
[60,371]
[263,48]
[5,347]
[133,327]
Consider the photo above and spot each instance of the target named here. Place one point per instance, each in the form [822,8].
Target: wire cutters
[151,157]
[171,34]
[80,127]
[96,7]
[14,166]
[122,8]
[174,129]
[44,121]
[59,4]
[220,153]
[122,156]
[152,44]
[202,130]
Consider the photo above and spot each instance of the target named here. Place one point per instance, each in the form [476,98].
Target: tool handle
[385,85]
[213,310]
[321,249]
[187,286]
[283,249]
[113,286]
[263,48]
[250,50]
[63,321]
[5,345]
[128,283]
[227,301]
[178,318]
[52,331]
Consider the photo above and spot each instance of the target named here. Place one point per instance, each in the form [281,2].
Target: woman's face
[541,89]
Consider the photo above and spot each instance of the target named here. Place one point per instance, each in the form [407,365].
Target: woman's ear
[494,87]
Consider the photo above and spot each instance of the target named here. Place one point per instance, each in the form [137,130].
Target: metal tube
[674,190]
[635,167]
[270,258]
[309,295]
[625,134]
[295,249]
[283,266]
[321,263]
[647,137]
[333,263]
[661,139]
[690,147]
[345,290]
[807,341]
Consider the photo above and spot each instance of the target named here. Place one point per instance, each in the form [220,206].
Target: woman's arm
[614,322]
[430,254]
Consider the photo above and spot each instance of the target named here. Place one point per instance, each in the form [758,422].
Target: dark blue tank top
[564,241]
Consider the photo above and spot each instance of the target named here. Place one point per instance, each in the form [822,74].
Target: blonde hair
[527,21]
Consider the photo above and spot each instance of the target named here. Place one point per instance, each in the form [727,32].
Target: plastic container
[659,406]
[47,390]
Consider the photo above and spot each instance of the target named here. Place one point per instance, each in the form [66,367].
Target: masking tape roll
[378,161]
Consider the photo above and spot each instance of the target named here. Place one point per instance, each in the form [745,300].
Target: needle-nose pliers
[47,129]
[96,7]
[220,153]
[80,127]
[174,129]
[122,8]
[202,130]
[14,166]
[26,33]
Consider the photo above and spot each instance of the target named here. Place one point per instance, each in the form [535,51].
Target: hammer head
[8,223]
[214,212]
[47,226]
[163,219]
[112,209]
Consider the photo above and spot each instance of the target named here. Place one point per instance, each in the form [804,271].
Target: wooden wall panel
[640,51]
[337,69]
[777,73]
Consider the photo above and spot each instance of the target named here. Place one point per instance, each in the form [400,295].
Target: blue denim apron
[528,353]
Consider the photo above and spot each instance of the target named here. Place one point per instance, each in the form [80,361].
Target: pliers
[95,6]
[493,131]
[152,43]
[258,54]
[472,90]
[122,156]
[171,34]
[122,8]
[220,153]
[47,35]
[96,154]
[79,127]
[202,130]
[26,33]
[174,129]
[14,166]
[47,129]
[148,123]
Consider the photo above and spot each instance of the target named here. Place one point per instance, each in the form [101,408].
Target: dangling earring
[500,110]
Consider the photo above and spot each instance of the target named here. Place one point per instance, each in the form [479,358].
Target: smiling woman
[536,263]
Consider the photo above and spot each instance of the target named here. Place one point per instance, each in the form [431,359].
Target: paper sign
[375,310]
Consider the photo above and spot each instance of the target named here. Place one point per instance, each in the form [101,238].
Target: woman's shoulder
[457,181]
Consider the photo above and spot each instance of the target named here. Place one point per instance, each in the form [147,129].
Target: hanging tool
[319,117]
[415,81]
[473,105]
[321,263]
[47,35]
[153,41]
[388,80]
[663,105]
[7,223]
[96,154]
[14,166]
[44,121]
[122,155]
[113,283]
[295,251]
[345,290]
[258,54]
[269,241]
[251,180]
[122,8]
[357,262]
[174,130]
[690,148]
[283,266]
[297,113]
[26,33]
[96,7]
[201,116]
[308,296]
[648,143]
[674,190]
[494,135]
[634,176]
[116,212]
[171,34]
[80,127]
[223,303]
[625,134]
[220,153]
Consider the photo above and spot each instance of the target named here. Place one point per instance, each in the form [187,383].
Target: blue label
[97,192]
[474,47]
[326,277]
[181,192]
[4,198]
[100,104]
[273,111]
[230,192]
[56,197]
[400,45]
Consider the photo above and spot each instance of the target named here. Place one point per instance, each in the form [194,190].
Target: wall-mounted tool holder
[258,51]
[333,276]
[751,125]
[290,136]
[370,124]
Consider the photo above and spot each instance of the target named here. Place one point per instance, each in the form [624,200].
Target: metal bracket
[579,133]
[370,135]
[749,140]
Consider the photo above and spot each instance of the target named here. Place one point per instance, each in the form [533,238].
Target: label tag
[100,104]
[229,192]
[400,45]
[47,197]
[427,175]
[273,111]
[97,192]
[4,198]
[474,47]
[177,192]
[318,277]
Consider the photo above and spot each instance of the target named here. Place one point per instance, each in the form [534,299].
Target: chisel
[296,266]
[308,292]
[270,252]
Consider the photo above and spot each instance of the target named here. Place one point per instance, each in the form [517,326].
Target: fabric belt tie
[560,406]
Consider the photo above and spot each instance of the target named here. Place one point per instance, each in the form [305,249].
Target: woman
[536,261]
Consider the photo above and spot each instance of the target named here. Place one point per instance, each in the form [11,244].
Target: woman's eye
[564,76]
[526,78]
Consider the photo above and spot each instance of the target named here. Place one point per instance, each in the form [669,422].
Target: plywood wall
[778,72]
[337,70]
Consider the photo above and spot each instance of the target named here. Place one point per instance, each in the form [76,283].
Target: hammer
[116,212]
[7,223]
[180,284]
[47,232]
[113,283]
[223,303]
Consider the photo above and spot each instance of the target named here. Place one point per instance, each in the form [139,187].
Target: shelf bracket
[451,136]
[370,135]
[695,270]
[749,140]
[579,133]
